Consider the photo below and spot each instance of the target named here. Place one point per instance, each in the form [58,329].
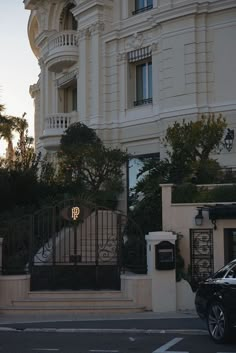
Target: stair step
[68,302]
[72,310]
[75,294]
[73,302]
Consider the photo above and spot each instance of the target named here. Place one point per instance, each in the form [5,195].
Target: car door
[230,291]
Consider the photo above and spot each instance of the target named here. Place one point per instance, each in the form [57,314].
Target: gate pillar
[161,268]
[1,241]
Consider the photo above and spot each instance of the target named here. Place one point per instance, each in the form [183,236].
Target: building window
[74,99]
[140,76]
[143,83]
[142,5]
[67,20]
[135,165]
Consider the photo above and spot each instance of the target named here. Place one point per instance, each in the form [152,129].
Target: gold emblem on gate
[75,211]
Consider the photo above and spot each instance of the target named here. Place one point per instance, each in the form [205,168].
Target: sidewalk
[185,322]
[32,318]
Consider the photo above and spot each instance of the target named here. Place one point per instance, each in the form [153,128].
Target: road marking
[169,344]
[132,339]
[103,351]
[46,349]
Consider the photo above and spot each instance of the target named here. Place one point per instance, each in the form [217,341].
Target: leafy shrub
[189,193]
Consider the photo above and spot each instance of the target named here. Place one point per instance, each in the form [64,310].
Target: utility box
[165,256]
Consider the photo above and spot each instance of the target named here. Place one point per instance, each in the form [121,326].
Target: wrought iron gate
[202,260]
[74,245]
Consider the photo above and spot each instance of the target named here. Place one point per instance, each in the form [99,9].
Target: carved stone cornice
[34,90]
[97,28]
[84,33]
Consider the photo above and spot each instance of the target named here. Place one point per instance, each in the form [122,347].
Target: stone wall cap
[167,185]
[135,276]
[159,236]
[14,277]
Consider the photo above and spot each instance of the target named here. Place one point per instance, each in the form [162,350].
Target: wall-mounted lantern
[229,139]
[199,218]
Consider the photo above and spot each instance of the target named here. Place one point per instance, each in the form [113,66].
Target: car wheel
[217,323]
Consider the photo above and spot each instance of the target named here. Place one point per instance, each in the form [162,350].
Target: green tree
[88,166]
[7,126]
[21,126]
[189,148]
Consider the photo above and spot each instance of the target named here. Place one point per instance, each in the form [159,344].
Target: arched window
[67,20]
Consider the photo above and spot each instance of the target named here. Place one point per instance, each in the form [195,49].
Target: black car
[215,302]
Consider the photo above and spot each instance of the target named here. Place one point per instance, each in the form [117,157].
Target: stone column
[155,3]
[156,76]
[163,281]
[125,9]
[35,94]
[42,97]
[83,78]
[96,71]
[166,203]
[122,61]
[1,242]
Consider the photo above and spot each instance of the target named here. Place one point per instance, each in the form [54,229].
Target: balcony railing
[64,39]
[143,101]
[65,42]
[56,124]
[142,9]
[66,78]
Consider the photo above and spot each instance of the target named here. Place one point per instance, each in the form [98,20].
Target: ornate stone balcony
[61,50]
[56,124]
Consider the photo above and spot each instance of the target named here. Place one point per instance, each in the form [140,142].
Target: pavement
[147,315]
[148,322]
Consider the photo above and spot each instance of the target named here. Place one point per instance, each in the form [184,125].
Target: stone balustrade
[65,38]
[59,122]
[63,41]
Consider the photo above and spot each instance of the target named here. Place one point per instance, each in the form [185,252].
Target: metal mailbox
[165,256]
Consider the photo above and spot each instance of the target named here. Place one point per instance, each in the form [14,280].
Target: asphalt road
[38,342]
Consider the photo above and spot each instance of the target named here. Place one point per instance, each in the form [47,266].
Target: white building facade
[130,68]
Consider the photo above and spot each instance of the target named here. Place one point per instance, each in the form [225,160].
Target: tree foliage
[87,165]
[190,146]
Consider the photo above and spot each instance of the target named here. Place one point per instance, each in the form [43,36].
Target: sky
[18,66]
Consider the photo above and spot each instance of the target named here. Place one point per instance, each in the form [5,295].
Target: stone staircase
[73,302]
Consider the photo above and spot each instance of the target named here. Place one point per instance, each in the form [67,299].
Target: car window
[232,273]
[221,273]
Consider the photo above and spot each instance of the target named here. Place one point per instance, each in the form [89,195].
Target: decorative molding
[93,29]
[97,28]
[135,41]
[41,63]
[34,89]
[84,33]
[121,57]
[42,11]
[155,47]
